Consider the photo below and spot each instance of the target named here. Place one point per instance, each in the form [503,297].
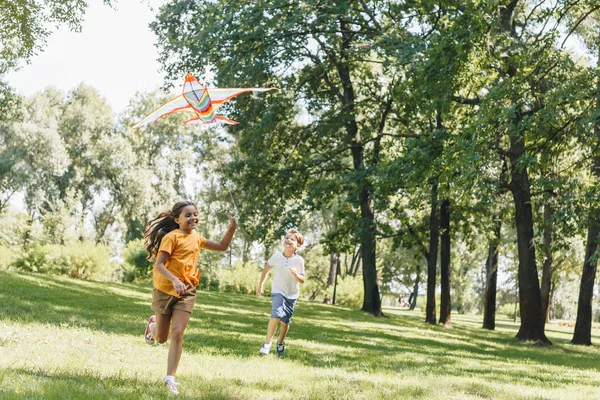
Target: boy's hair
[298,235]
[157,228]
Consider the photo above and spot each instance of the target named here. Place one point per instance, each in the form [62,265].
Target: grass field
[68,339]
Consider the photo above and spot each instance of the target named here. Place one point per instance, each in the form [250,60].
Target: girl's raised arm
[225,241]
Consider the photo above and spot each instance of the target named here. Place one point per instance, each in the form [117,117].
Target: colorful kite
[204,102]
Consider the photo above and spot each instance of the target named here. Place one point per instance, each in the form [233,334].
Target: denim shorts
[283,308]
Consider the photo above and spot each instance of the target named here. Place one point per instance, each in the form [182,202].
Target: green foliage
[84,260]
[242,278]
[25,26]
[8,254]
[434,90]
[14,227]
[507,310]
[349,292]
[136,265]
[316,265]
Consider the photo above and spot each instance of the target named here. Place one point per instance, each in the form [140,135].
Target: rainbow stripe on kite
[204,102]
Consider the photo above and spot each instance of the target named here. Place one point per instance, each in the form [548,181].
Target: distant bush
[84,260]
[243,278]
[349,291]
[136,265]
[7,256]
[207,283]
[508,310]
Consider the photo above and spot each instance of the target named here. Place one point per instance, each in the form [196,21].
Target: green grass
[68,339]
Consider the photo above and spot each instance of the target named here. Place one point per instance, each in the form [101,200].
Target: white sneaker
[172,386]
[265,349]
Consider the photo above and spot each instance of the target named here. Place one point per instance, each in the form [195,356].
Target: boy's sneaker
[265,349]
[148,334]
[172,386]
[280,349]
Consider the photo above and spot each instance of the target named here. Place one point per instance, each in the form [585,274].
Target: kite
[204,102]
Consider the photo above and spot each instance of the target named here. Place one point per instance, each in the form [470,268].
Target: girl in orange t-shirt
[170,239]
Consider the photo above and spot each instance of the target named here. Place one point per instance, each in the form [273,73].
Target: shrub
[43,259]
[8,254]
[508,310]
[243,278]
[88,260]
[84,260]
[214,284]
[349,291]
[136,265]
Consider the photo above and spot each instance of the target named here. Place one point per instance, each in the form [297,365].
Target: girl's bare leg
[179,322]
[160,330]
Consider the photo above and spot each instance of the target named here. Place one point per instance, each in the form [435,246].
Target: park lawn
[62,338]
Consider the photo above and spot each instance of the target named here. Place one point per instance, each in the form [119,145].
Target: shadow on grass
[60,301]
[320,336]
[60,386]
[86,385]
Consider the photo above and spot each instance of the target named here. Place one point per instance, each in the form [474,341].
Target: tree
[521,111]
[320,53]
[585,22]
[25,26]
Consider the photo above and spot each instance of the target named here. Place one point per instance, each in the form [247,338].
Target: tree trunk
[491,279]
[246,251]
[547,265]
[530,297]
[415,293]
[445,300]
[371,300]
[432,256]
[358,264]
[583,325]
[354,262]
[337,272]
[334,262]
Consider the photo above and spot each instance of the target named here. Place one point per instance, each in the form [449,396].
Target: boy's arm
[223,244]
[300,276]
[160,266]
[263,277]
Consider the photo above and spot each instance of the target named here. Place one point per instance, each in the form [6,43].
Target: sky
[114,52]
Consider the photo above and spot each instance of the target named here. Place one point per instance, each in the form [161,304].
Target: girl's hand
[179,286]
[232,220]
[259,291]
[293,271]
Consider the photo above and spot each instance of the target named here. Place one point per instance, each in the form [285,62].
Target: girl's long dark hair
[157,228]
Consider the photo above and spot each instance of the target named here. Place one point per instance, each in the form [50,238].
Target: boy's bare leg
[271,328]
[283,329]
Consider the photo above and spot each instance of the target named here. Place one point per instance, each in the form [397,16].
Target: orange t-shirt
[183,249]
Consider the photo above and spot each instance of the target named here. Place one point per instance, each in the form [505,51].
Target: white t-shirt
[283,281]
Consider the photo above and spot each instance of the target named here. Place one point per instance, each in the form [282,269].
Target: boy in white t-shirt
[289,274]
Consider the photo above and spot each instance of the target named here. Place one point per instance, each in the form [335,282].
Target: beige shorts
[165,303]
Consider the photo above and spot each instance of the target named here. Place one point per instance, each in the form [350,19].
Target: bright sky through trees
[114,53]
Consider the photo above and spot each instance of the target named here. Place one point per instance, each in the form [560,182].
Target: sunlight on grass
[62,338]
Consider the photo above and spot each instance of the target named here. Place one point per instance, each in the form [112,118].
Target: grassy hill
[69,339]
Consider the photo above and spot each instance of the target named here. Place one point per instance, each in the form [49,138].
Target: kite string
[227,187]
